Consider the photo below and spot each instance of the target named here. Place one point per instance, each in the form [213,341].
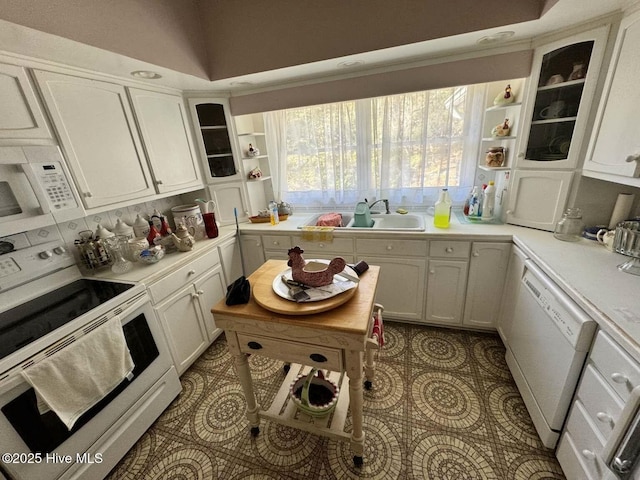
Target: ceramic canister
[190,214]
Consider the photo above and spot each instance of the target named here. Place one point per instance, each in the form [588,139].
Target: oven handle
[124,313]
[622,450]
[27,168]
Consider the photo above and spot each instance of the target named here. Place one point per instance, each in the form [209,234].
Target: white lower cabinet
[605,387]
[401,286]
[183,302]
[252,253]
[487,272]
[229,252]
[447,281]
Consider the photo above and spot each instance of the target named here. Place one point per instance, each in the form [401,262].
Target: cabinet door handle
[87,194]
[194,295]
[604,417]
[432,272]
[258,244]
[158,182]
[275,242]
[254,345]
[633,158]
[200,292]
[321,245]
[191,272]
[588,454]
[318,357]
[619,378]
[449,249]
[389,247]
[476,254]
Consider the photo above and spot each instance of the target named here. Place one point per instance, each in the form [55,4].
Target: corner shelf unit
[251,131]
[495,115]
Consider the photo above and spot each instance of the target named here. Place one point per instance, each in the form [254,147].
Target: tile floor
[443,406]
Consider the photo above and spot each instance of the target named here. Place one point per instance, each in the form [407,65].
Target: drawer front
[618,368]
[337,245]
[405,248]
[570,459]
[293,352]
[586,441]
[441,248]
[277,242]
[187,273]
[600,401]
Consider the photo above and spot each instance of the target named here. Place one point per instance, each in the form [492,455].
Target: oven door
[43,448]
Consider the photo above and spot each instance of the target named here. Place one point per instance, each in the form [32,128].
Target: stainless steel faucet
[386,204]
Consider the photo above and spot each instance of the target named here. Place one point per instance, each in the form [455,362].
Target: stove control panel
[22,266]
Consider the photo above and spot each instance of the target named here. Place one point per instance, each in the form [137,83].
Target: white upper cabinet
[615,147]
[560,93]
[22,117]
[98,135]
[165,131]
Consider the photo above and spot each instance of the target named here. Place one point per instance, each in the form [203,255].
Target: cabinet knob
[509,212]
[633,158]
[389,247]
[619,378]
[258,244]
[604,417]
[59,250]
[318,357]
[476,254]
[87,195]
[521,155]
[588,454]
[45,254]
[191,272]
[254,345]
[449,249]
[321,245]
[432,272]
[194,295]
[275,242]
[200,292]
[158,182]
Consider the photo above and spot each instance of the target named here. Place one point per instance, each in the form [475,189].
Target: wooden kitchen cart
[334,340]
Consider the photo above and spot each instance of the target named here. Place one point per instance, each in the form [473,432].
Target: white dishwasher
[549,341]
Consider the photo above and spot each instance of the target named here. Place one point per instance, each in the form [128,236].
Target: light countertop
[585,270]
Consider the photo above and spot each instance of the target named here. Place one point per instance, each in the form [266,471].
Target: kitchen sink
[381,221]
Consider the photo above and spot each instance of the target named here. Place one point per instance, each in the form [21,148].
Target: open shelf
[283,410]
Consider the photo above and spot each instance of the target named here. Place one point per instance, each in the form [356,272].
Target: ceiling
[30,42]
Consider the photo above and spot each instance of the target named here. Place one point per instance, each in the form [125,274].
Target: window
[401,147]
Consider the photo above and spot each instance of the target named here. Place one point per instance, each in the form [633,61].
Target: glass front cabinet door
[216,139]
[560,94]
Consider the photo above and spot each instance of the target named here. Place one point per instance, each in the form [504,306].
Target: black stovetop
[34,319]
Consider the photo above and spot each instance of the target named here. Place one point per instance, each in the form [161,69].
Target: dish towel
[77,377]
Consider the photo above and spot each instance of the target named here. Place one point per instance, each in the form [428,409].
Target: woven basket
[314,395]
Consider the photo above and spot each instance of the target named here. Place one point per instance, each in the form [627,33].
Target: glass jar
[570,226]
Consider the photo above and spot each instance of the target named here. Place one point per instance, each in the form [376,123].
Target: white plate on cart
[340,285]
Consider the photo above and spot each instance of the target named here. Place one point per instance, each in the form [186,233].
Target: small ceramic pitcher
[605,237]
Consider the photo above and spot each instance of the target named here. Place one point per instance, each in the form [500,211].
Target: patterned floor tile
[443,405]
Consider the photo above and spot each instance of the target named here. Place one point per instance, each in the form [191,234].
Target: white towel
[74,379]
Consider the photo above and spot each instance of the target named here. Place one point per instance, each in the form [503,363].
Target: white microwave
[35,190]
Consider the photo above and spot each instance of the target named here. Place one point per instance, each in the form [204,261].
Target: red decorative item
[316,278]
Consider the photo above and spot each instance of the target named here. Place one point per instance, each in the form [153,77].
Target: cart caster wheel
[286,367]
[255,431]
[368,385]
[357,461]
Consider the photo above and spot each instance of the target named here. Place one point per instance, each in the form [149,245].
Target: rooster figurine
[315,278]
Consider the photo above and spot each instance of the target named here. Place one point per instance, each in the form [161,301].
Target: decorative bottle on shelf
[442,211]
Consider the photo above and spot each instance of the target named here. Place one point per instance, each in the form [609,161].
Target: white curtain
[404,148]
